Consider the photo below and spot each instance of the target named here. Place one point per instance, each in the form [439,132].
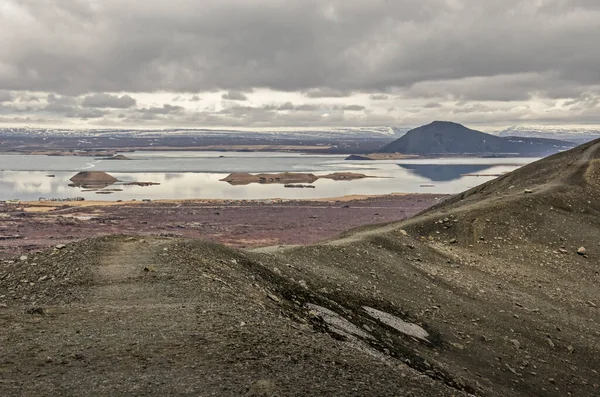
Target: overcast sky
[285,63]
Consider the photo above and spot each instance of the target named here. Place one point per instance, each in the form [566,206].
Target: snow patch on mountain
[579,134]
[303,133]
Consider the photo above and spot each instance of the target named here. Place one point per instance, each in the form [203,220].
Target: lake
[186,175]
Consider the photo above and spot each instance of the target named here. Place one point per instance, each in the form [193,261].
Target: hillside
[447,138]
[493,292]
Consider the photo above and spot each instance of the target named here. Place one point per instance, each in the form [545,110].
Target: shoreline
[109,203]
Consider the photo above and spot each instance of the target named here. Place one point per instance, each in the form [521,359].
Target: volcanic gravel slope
[484,294]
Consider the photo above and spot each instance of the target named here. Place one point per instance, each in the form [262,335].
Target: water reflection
[202,175]
[444,172]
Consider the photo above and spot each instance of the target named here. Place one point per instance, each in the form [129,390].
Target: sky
[298,63]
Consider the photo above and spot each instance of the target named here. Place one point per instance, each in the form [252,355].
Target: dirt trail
[119,276]
[198,323]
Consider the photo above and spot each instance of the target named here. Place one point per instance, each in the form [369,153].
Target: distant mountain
[572,134]
[307,133]
[343,140]
[447,138]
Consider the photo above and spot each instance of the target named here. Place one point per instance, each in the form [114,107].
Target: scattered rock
[37,311]
[263,388]
[60,246]
[527,191]
[274,298]
[516,343]
[458,346]
[582,251]
[336,324]
[511,369]
[592,304]
[398,324]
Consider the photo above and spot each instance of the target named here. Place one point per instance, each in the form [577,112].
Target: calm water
[197,174]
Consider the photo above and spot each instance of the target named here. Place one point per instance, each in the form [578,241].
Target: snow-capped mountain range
[306,133]
[574,134]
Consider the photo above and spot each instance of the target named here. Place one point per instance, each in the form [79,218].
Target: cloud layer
[393,61]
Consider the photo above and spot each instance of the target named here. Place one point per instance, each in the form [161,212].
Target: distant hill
[577,135]
[447,138]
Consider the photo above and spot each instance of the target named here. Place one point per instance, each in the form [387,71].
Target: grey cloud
[471,107]
[5,96]
[351,45]
[285,106]
[234,96]
[152,113]
[379,97]
[492,88]
[312,107]
[165,109]
[61,100]
[181,98]
[353,107]
[516,87]
[70,111]
[103,100]
[307,107]
[290,107]
[441,57]
[28,98]
[171,109]
[326,92]
[14,108]
[55,107]
[283,115]
[584,102]
[84,113]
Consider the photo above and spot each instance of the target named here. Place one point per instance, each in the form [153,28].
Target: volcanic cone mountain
[490,293]
[444,137]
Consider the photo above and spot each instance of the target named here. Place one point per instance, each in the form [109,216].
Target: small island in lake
[243,178]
